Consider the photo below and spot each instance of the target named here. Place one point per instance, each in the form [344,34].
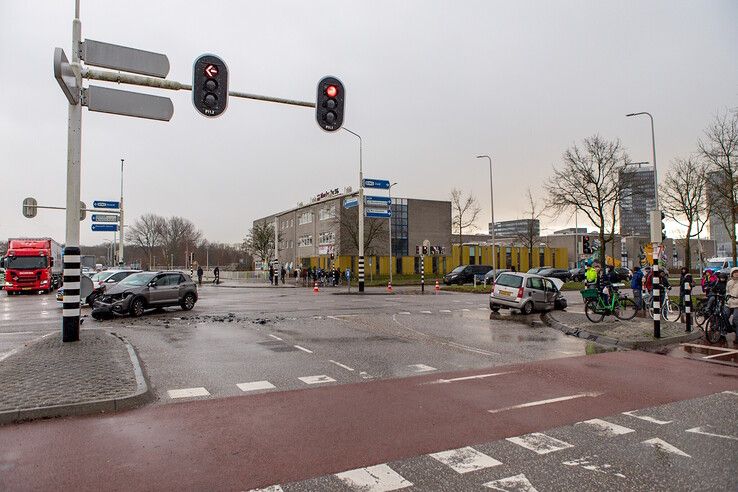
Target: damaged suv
[147,290]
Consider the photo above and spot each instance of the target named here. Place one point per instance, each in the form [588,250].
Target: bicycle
[595,307]
[669,311]
[717,324]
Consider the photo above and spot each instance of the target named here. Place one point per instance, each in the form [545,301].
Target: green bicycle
[595,307]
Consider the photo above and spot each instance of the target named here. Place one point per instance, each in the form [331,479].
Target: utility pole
[121,262]
[361,212]
[491,210]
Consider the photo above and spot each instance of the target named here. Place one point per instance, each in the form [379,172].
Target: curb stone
[604,340]
[141,395]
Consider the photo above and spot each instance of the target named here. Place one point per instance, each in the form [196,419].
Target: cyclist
[590,276]
[636,284]
[708,280]
[731,288]
[604,282]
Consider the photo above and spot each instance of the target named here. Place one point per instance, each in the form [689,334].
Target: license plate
[506,293]
[26,288]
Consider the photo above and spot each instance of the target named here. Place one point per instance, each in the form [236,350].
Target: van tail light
[520,292]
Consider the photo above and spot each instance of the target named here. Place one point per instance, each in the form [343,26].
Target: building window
[327,213]
[398,265]
[399,227]
[305,218]
[327,237]
[472,256]
[306,240]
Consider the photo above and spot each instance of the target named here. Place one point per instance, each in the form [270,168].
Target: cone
[389,287]
[315,288]
[438,287]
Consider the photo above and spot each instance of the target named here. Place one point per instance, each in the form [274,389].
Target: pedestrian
[647,285]
[636,283]
[199,274]
[708,281]
[282,274]
[731,289]
[216,275]
[271,274]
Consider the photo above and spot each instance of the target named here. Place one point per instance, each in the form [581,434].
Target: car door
[550,293]
[156,291]
[536,292]
[170,292]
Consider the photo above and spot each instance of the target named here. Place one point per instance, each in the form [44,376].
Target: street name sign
[105,204]
[105,227]
[104,218]
[350,202]
[377,201]
[378,213]
[64,75]
[117,57]
[382,184]
[127,103]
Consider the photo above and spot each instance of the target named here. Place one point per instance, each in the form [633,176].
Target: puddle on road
[709,353]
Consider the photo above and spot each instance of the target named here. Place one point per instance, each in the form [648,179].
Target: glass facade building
[638,199]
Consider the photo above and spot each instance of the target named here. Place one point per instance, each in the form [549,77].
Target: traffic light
[425,250]
[586,247]
[663,226]
[329,105]
[210,86]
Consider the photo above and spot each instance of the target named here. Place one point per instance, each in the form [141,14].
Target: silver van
[526,292]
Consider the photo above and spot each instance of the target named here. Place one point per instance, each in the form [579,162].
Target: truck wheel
[188,302]
[137,307]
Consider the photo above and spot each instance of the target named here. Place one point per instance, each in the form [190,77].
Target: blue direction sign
[382,184]
[104,204]
[350,202]
[378,213]
[105,227]
[377,201]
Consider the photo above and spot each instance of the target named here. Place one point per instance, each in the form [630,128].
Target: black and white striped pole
[656,284]
[422,272]
[688,305]
[70,305]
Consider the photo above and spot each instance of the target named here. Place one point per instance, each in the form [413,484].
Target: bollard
[422,274]
[688,305]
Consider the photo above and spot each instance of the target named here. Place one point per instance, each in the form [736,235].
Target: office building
[516,228]
[638,199]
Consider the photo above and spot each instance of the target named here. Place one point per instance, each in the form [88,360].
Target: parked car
[558,273]
[490,276]
[526,292]
[100,282]
[623,274]
[537,269]
[147,290]
[464,274]
[577,274]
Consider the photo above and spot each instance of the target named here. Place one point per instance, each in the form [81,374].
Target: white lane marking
[303,349]
[444,311]
[465,460]
[647,418]
[546,402]
[723,354]
[734,393]
[335,318]
[404,312]
[188,392]
[18,333]
[568,352]
[472,349]
[316,379]
[703,431]
[275,337]
[467,378]
[586,463]
[540,443]
[341,365]
[421,368]
[17,349]
[516,483]
[273,488]
[365,375]
[662,445]
[378,478]
[425,312]
[465,309]
[482,309]
[607,428]
[255,385]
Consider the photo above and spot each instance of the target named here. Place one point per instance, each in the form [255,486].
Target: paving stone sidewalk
[635,334]
[49,378]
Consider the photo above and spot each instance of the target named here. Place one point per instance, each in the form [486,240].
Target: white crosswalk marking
[465,460]
[607,428]
[273,488]
[255,385]
[379,478]
[704,432]
[540,443]
[188,392]
[647,418]
[404,312]
[421,368]
[425,312]
[444,311]
[516,483]
[662,445]
[316,379]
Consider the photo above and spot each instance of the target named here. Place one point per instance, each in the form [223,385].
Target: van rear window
[509,281]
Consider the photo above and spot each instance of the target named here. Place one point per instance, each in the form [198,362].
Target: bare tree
[179,235]
[260,241]
[683,199]
[530,236]
[146,234]
[719,149]
[464,214]
[588,181]
[375,231]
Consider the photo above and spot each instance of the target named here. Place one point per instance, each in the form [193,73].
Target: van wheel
[137,307]
[527,308]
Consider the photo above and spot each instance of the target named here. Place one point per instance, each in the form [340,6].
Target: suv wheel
[188,302]
[527,308]
[137,307]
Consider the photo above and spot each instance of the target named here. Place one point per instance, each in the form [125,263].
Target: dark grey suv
[147,290]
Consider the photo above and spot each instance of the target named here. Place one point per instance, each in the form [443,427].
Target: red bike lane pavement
[245,442]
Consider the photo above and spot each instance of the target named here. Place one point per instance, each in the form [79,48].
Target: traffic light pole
[71,259]
[361,211]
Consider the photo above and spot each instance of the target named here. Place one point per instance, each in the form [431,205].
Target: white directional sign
[104,218]
[116,57]
[377,201]
[377,213]
[126,103]
[64,75]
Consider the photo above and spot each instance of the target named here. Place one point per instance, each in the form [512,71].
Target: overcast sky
[429,84]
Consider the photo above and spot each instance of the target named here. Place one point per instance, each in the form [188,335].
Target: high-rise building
[516,228]
[638,199]
[719,211]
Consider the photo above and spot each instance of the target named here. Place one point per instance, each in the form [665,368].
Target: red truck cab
[33,265]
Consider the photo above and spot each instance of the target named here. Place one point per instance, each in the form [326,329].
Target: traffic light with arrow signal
[210,86]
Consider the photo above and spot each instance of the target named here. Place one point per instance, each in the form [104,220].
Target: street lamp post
[389,225]
[120,248]
[361,211]
[492,211]
[655,238]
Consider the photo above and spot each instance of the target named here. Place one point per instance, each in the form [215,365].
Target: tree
[683,199]
[146,234]
[529,237]
[375,231]
[589,181]
[179,236]
[464,214]
[719,149]
[260,241]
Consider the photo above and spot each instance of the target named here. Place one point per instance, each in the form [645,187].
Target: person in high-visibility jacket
[590,276]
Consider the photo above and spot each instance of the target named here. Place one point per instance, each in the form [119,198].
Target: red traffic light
[331,91]
[211,70]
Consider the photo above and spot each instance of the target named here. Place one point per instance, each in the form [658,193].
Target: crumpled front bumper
[117,306]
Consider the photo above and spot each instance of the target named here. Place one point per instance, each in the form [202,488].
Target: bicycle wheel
[671,311]
[712,329]
[590,310]
[626,309]
[700,315]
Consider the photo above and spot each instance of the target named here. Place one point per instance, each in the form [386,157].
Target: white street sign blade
[126,103]
[117,57]
[64,75]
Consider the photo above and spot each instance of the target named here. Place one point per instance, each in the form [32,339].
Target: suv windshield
[138,279]
[26,262]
